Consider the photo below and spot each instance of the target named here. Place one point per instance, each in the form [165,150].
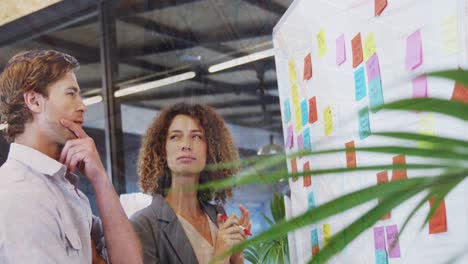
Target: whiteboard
[408,38]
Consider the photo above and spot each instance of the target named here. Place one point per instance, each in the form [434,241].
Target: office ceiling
[158,39]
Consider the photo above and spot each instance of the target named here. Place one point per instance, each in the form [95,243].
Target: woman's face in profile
[185,146]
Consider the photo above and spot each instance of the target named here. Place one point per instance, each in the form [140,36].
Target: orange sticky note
[438,222]
[350,155]
[308,178]
[312,110]
[382,177]
[357,50]
[379,6]
[294,168]
[460,93]
[399,174]
[307,67]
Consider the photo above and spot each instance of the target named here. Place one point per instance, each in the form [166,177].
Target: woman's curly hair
[154,173]
[32,70]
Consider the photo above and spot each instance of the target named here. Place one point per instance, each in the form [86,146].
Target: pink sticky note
[372,67]
[419,87]
[414,50]
[340,50]
[392,239]
[379,238]
[290,137]
[300,142]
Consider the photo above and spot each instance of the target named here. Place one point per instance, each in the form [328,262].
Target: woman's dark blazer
[161,234]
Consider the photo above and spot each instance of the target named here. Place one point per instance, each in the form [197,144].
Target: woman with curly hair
[181,225]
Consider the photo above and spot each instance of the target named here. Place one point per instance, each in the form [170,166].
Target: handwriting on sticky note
[369,46]
[450,38]
[373,67]
[375,94]
[357,50]
[399,174]
[311,201]
[322,43]
[287,110]
[392,241]
[364,123]
[290,137]
[419,86]
[307,67]
[326,233]
[328,121]
[304,112]
[414,55]
[359,84]
[350,155]
[294,168]
[438,222]
[379,6]
[307,142]
[379,238]
[313,110]
[340,50]
[307,179]
[292,72]
[382,177]
[460,93]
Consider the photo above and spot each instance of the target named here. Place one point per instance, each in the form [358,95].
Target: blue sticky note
[287,111]
[311,200]
[360,83]
[314,237]
[364,124]
[375,94]
[307,143]
[304,112]
[381,257]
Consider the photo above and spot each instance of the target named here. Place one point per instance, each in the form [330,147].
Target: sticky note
[381,257]
[350,155]
[460,93]
[438,222]
[382,177]
[290,137]
[414,55]
[304,112]
[392,241]
[419,87]
[450,38]
[298,113]
[313,110]
[372,67]
[375,94]
[311,201]
[292,72]
[307,142]
[326,233]
[307,178]
[399,174]
[295,96]
[307,67]
[322,43]
[357,50]
[426,127]
[294,168]
[287,110]
[369,46]
[364,124]
[379,6]
[379,238]
[300,142]
[340,50]
[314,241]
[328,122]
[359,84]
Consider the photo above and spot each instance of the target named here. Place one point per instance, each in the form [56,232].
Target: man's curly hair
[154,173]
[27,71]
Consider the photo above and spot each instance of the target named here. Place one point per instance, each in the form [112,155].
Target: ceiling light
[241,60]
[270,149]
[154,84]
[92,100]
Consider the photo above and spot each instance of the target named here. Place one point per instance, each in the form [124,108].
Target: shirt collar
[36,160]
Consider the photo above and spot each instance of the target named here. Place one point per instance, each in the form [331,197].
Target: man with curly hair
[44,218]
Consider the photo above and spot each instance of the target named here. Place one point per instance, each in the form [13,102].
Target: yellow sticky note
[292,72]
[426,127]
[298,117]
[326,233]
[369,46]
[295,96]
[450,39]
[328,122]
[322,44]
